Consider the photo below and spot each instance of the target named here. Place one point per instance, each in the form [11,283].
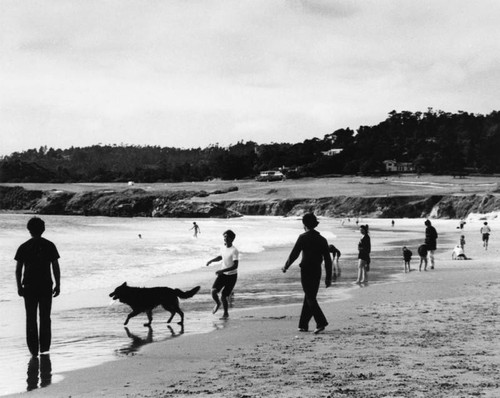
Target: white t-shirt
[485,230]
[229,256]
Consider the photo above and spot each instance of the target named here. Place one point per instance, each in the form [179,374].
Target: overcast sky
[192,73]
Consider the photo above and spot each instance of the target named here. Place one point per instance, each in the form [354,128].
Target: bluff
[200,204]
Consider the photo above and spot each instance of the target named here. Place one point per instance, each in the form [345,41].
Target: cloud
[161,72]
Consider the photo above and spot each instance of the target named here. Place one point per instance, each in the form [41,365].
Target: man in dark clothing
[430,241]
[314,250]
[38,258]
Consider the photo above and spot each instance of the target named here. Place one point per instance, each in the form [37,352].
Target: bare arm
[19,275]
[57,276]
[215,259]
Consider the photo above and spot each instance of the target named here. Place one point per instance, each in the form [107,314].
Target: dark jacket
[314,248]
[431,237]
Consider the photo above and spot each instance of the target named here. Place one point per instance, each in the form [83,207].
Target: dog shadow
[138,341]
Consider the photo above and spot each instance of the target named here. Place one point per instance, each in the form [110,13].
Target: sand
[421,334]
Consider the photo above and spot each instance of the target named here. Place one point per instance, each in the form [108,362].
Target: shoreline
[272,327]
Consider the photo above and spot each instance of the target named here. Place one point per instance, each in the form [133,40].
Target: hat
[310,220]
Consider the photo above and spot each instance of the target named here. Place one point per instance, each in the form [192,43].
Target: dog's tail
[188,294]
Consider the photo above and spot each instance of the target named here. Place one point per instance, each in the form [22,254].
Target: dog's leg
[131,315]
[150,318]
[182,317]
[171,316]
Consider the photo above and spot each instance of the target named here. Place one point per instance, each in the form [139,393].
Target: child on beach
[462,242]
[336,257]
[364,249]
[485,232]
[458,253]
[38,258]
[227,275]
[422,252]
[407,258]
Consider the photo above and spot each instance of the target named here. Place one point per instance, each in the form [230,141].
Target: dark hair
[427,222]
[365,227]
[36,226]
[310,220]
[230,234]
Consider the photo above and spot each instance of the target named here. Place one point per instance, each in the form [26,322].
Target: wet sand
[422,334]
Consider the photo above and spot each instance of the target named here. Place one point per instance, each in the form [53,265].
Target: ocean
[100,253]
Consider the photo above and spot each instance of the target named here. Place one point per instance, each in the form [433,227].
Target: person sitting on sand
[336,257]
[458,253]
[364,249]
[407,258]
[314,249]
[422,252]
[227,275]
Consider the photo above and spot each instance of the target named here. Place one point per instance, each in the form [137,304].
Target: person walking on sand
[485,233]
[422,252]
[364,249]
[196,229]
[315,251]
[407,258]
[36,261]
[431,236]
[227,275]
[336,257]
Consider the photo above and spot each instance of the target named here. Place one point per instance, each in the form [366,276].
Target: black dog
[143,299]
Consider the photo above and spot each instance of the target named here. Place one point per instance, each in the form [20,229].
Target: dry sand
[422,334]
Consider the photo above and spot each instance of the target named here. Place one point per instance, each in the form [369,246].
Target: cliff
[139,203]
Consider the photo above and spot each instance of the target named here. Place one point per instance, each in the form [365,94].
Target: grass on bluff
[403,185]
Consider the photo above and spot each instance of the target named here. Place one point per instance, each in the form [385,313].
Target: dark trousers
[310,307]
[38,302]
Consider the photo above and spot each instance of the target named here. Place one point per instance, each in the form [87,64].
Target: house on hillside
[332,152]
[391,166]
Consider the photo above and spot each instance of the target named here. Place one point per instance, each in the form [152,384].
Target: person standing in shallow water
[37,260]
[314,249]
[227,275]
[431,236]
[364,249]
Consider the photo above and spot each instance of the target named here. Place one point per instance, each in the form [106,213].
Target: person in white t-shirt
[227,275]
[485,232]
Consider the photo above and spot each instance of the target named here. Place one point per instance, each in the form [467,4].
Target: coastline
[250,353]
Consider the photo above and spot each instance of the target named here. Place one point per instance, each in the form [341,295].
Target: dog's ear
[124,284]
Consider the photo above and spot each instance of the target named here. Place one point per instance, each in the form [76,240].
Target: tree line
[433,141]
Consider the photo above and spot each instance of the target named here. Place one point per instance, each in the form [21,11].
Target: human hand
[20,291]
[56,291]
[284,269]
[328,282]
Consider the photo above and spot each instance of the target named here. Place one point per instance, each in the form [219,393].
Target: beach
[420,334]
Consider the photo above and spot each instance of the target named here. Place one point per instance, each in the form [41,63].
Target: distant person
[227,275]
[462,242]
[462,223]
[140,236]
[458,253]
[336,257]
[407,258]
[315,251]
[422,252]
[196,229]
[364,249]
[392,223]
[431,236]
[37,260]
[485,233]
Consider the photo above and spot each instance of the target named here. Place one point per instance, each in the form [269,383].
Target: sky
[194,73]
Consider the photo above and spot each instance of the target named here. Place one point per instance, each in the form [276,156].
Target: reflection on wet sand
[138,341]
[39,372]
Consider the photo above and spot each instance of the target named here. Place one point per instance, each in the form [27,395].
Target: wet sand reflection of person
[39,372]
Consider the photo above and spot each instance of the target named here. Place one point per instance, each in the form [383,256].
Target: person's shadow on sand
[39,370]
[138,342]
